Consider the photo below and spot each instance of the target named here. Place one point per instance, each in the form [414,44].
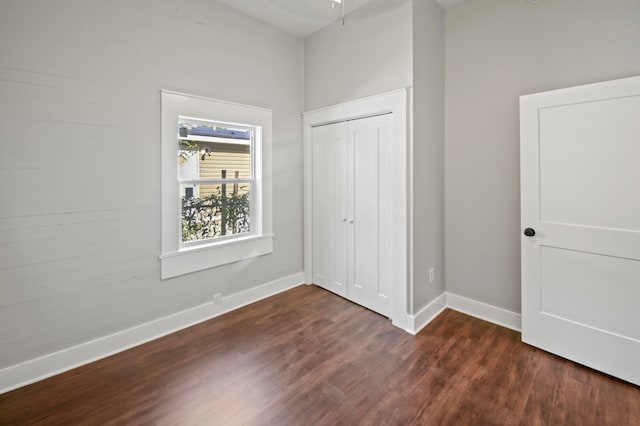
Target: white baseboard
[484,311]
[54,363]
[417,322]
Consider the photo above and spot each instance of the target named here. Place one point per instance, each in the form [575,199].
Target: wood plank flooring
[308,357]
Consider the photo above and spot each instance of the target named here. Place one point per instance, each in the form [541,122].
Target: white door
[580,177]
[352,220]
[370,220]
[330,207]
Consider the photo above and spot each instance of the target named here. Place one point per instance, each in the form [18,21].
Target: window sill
[194,259]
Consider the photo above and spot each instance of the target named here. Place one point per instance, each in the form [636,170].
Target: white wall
[497,50]
[370,54]
[428,151]
[80,88]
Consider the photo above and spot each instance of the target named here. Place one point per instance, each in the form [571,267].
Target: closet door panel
[323,232]
[329,208]
[368,139]
[340,248]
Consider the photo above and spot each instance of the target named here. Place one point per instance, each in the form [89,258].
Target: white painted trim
[390,102]
[200,258]
[354,103]
[474,308]
[417,322]
[410,227]
[204,98]
[54,363]
[484,311]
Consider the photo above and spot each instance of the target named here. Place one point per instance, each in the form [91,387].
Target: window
[215,174]
[215,183]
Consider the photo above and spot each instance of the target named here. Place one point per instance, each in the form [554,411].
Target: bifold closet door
[330,207]
[352,218]
[370,220]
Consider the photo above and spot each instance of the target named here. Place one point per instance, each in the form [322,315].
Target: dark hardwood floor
[307,356]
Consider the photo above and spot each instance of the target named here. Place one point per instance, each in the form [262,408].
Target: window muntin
[216,174]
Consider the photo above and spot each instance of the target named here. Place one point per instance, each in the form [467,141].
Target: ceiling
[301,17]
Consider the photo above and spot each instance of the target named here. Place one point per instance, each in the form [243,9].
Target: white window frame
[177,259]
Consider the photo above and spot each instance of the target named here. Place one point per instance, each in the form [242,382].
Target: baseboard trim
[55,363]
[484,311]
[417,322]
[480,310]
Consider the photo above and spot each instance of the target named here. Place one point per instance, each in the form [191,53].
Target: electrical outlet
[432,275]
[217,299]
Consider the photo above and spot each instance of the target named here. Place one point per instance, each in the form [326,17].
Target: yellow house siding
[227,157]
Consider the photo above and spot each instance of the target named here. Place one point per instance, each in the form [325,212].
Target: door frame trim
[395,102]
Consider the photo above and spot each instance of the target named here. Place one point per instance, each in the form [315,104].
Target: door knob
[344,219]
[529,232]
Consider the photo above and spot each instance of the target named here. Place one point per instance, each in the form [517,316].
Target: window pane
[209,150]
[226,161]
[188,162]
[208,214]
